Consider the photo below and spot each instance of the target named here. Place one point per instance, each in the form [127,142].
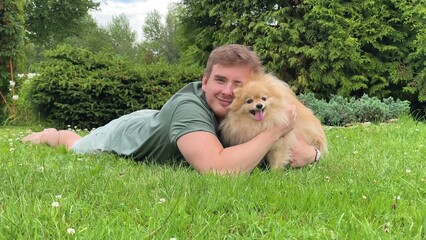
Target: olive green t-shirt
[153,134]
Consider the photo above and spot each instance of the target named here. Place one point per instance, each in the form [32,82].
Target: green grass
[372,185]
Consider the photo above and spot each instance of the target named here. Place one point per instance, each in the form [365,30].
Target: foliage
[77,87]
[118,38]
[371,185]
[339,111]
[350,48]
[152,30]
[50,21]
[92,37]
[11,30]
[122,36]
[161,40]
[12,35]
[415,17]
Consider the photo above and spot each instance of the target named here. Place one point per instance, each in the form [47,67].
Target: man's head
[228,67]
[233,55]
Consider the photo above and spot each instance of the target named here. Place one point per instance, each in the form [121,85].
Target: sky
[135,10]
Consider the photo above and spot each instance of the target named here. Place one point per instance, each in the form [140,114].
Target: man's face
[219,87]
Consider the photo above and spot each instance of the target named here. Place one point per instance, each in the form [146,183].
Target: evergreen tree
[12,39]
[327,47]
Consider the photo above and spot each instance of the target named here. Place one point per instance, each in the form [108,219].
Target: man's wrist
[317,155]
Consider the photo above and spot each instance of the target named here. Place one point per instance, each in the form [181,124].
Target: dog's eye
[264,98]
[249,101]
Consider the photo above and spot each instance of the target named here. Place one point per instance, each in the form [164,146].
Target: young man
[186,126]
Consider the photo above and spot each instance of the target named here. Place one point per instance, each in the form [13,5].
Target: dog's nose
[259,106]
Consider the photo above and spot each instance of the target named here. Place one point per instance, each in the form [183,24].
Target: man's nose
[228,89]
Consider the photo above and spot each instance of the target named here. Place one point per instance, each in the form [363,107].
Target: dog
[259,105]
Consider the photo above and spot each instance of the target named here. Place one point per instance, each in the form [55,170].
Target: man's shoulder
[191,93]
[193,88]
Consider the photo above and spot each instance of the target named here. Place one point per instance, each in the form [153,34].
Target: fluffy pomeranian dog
[259,105]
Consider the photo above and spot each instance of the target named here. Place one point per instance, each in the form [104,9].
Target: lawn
[372,185]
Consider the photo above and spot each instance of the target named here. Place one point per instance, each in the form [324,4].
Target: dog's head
[252,100]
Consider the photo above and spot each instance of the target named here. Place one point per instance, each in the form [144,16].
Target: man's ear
[204,82]
[205,78]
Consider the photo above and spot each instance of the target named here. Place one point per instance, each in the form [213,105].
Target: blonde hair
[233,55]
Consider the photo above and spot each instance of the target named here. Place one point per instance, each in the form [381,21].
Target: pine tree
[351,48]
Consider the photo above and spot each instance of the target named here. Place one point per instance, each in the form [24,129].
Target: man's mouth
[224,102]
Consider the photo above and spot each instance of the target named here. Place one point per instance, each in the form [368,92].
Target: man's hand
[291,114]
[301,153]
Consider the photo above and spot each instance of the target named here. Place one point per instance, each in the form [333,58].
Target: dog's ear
[237,90]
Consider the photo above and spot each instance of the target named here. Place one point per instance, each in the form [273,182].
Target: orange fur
[272,95]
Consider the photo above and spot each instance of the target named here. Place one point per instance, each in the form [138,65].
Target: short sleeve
[191,116]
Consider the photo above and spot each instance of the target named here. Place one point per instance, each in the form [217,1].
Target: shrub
[76,87]
[341,111]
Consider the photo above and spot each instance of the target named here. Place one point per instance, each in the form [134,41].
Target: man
[186,126]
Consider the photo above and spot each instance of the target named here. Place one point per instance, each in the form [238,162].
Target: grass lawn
[372,185]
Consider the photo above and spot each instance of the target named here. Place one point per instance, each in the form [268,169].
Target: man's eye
[264,98]
[249,101]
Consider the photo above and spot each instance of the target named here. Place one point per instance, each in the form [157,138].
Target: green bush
[339,111]
[23,113]
[76,87]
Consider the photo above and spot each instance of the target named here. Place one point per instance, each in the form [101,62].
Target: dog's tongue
[259,115]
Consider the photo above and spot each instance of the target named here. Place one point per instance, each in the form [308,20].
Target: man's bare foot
[48,136]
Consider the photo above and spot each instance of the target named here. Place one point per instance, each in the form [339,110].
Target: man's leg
[53,138]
